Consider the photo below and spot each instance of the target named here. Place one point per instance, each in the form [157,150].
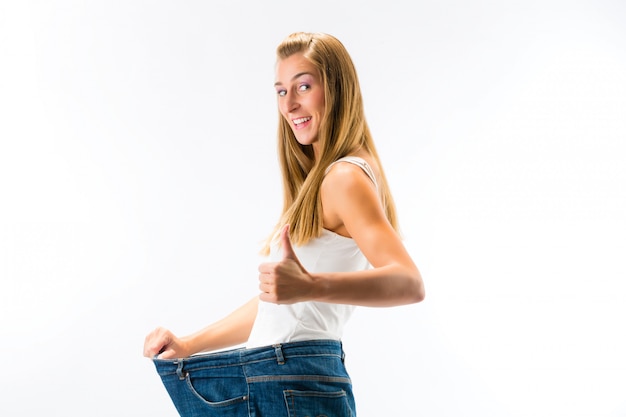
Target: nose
[291,103]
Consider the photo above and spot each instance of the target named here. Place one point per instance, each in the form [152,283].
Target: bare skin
[352,209]
[232,330]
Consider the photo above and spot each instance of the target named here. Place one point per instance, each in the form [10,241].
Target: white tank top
[311,320]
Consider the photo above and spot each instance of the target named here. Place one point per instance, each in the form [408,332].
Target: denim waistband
[242,356]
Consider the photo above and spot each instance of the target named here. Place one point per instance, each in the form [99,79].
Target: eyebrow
[298,75]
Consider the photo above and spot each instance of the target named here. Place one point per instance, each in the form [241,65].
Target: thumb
[167,354]
[285,242]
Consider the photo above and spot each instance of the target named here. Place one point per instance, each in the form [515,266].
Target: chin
[306,141]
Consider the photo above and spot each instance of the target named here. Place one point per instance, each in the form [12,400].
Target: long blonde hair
[343,131]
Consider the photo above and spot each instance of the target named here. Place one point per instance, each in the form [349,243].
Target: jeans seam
[322,378]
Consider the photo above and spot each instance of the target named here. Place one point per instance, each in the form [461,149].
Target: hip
[288,379]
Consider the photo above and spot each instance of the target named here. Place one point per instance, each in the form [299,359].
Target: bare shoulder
[350,173]
[346,191]
[346,180]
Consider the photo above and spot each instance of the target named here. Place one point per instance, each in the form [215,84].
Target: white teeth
[301,120]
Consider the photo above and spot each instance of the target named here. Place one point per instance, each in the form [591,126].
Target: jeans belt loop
[279,354]
[179,370]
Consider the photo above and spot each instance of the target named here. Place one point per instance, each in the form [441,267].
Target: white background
[138,176]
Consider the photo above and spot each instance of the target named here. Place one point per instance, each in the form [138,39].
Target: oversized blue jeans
[294,379]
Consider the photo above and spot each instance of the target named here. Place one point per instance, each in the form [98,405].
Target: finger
[156,342]
[267,267]
[287,248]
[266,277]
[167,354]
[268,298]
[154,348]
[150,348]
[150,352]
[264,287]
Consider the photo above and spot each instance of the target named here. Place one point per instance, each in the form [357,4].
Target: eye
[281,93]
[304,87]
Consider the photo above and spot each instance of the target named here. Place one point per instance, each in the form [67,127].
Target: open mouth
[301,121]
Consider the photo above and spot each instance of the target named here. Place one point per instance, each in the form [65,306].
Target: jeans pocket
[317,403]
[217,391]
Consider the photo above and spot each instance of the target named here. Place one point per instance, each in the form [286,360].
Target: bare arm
[229,331]
[352,206]
[351,200]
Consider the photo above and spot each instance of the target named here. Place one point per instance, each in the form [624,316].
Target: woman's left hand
[286,281]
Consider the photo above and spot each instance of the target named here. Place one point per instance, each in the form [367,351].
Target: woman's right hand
[232,330]
[163,344]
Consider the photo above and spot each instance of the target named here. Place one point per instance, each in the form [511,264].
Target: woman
[336,246]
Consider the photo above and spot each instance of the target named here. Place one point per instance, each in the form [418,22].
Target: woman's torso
[330,252]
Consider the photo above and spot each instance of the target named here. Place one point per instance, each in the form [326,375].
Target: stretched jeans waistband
[242,356]
[283,380]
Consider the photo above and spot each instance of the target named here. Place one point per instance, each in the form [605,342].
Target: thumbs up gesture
[286,281]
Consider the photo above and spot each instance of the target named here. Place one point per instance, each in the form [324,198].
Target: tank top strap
[358,162]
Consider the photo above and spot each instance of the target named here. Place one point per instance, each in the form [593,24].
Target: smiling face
[300,97]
